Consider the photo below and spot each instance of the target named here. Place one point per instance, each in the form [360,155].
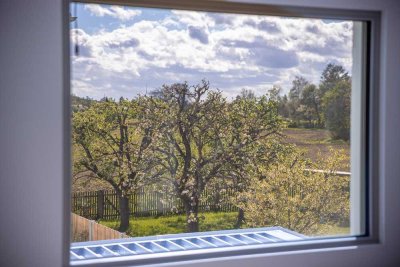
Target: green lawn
[210,221]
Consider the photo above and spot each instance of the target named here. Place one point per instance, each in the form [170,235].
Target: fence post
[91,230]
[100,204]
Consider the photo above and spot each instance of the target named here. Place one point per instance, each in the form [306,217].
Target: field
[316,143]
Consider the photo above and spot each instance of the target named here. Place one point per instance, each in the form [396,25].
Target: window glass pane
[187,122]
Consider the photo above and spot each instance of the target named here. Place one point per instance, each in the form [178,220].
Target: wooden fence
[105,204]
[88,230]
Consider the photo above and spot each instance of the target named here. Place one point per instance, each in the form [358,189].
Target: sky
[125,51]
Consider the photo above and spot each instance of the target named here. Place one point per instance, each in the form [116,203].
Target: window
[35,199]
[205,121]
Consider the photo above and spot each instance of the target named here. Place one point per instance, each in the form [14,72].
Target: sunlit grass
[210,221]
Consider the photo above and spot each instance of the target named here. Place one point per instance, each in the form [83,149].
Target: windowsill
[312,246]
[176,245]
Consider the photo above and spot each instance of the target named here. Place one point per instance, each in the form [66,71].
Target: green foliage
[337,103]
[290,195]
[311,106]
[298,85]
[246,94]
[79,103]
[331,76]
[111,143]
[302,108]
[295,93]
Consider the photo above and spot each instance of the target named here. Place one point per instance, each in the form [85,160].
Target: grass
[210,221]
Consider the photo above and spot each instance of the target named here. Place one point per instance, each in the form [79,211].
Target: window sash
[368,168]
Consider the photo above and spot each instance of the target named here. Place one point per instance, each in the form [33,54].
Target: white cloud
[232,51]
[113,11]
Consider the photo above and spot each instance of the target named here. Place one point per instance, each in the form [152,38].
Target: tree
[283,108]
[246,94]
[298,85]
[112,143]
[274,93]
[201,137]
[311,104]
[255,123]
[332,75]
[335,90]
[337,104]
[79,103]
[289,195]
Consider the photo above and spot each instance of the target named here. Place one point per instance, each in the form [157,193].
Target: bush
[291,196]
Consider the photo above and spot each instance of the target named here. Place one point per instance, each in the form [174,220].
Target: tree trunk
[192,215]
[123,212]
[239,219]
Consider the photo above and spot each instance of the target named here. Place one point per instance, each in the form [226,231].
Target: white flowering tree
[199,137]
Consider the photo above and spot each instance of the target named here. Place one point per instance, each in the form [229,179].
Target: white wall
[31,138]
[31,142]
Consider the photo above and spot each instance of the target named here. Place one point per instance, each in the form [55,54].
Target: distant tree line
[326,105]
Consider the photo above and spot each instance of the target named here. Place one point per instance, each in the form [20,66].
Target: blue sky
[130,51]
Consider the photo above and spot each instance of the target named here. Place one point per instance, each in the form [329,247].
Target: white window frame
[35,200]
[366,36]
